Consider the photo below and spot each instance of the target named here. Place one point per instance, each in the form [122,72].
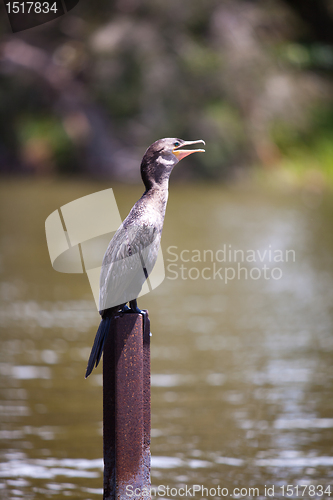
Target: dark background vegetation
[88,92]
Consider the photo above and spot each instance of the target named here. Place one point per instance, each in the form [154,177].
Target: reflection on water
[241,372]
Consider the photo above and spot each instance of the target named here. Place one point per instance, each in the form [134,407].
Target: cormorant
[132,252]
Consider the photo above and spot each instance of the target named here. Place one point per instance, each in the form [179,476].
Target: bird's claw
[126,309]
[134,307]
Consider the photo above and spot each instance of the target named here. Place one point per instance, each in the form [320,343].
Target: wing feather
[128,261]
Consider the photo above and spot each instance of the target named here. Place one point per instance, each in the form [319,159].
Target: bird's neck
[157,194]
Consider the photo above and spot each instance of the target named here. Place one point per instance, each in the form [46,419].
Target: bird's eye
[177,144]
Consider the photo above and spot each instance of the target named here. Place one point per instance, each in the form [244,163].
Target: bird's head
[162,156]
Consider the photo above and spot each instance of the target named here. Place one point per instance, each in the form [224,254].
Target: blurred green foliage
[310,148]
[46,142]
[88,92]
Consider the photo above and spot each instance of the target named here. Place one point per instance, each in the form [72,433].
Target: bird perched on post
[132,252]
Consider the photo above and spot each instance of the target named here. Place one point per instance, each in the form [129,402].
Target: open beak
[180,154]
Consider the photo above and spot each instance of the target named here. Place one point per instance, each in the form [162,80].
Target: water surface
[241,371]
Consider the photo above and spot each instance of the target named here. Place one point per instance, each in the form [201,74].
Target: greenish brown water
[242,379]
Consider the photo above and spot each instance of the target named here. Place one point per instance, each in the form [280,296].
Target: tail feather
[98,346]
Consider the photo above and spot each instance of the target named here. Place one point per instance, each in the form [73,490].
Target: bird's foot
[134,307]
[126,309]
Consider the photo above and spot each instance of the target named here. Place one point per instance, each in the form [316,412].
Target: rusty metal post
[126,409]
